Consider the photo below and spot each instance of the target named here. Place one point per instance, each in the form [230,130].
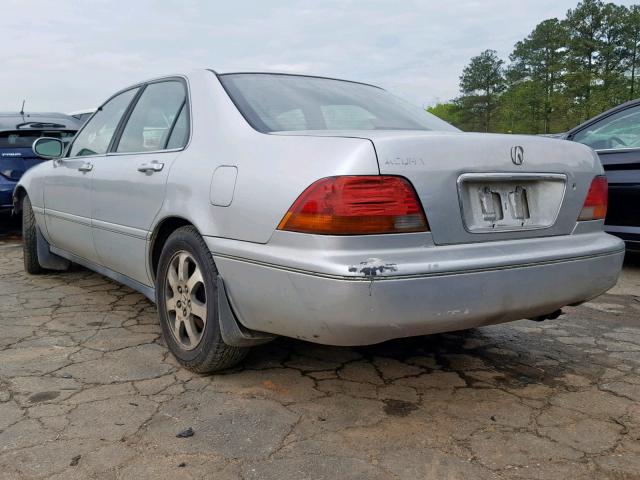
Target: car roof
[219,73]
[37,121]
[291,74]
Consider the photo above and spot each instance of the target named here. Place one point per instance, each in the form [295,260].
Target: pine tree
[481,84]
[539,60]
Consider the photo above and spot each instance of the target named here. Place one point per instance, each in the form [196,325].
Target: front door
[129,182]
[67,197]
[67,192]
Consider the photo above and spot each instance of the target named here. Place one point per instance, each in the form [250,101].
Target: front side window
[95,137]
[620,130]
[151,121]
[277,102]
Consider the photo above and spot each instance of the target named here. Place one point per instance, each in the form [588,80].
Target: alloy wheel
[185,300]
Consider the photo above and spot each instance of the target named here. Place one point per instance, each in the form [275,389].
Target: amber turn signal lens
[595,205]
[356,205]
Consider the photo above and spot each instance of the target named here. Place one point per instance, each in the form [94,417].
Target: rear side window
[24,139]
[95,137]
[180,132]
[153,118]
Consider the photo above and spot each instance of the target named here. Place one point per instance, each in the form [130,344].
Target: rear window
[25,138]
[276,102]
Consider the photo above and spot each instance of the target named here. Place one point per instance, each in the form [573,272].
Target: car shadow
[10,227]
[512,355]
[632,259]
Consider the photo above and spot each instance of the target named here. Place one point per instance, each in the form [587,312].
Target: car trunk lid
[488,187]
[16,155]
[15,161]
[479,187]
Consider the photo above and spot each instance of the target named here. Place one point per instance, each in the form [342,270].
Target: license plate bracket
[504,202]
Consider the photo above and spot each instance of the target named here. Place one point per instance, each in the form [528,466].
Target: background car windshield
[275,102]
[620,130]
[24,139]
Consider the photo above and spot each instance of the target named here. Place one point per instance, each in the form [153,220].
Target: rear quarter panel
[272,170]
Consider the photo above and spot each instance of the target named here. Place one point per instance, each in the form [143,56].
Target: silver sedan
[252,205]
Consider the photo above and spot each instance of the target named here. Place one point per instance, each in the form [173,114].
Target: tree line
[564,72]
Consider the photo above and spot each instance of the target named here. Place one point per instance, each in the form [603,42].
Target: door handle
[151,167]
[86,167]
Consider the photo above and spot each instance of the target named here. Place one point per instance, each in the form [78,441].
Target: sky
[68,55]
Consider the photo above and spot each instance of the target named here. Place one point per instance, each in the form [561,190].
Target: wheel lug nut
[184,312]
[179,304]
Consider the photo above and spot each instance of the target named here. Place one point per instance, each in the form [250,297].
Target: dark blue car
[17,133]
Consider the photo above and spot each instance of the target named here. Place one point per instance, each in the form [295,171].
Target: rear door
[67,192]
[129,182]
[616,139]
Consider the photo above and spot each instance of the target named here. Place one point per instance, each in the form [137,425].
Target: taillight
[356,205]
[595,205]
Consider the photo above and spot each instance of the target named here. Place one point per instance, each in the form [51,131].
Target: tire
[184,297]
[30,239]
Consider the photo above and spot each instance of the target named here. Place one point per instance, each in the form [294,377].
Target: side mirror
[48,147]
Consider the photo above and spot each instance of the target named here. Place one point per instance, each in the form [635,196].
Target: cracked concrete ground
[88,390]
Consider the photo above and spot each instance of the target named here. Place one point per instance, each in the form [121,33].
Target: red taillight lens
[595,205]
[356,205]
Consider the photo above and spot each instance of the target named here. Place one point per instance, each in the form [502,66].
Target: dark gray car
[615,136]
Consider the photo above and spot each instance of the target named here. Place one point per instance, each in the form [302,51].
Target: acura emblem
[517,155]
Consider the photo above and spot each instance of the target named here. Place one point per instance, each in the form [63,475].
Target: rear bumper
[484,289]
